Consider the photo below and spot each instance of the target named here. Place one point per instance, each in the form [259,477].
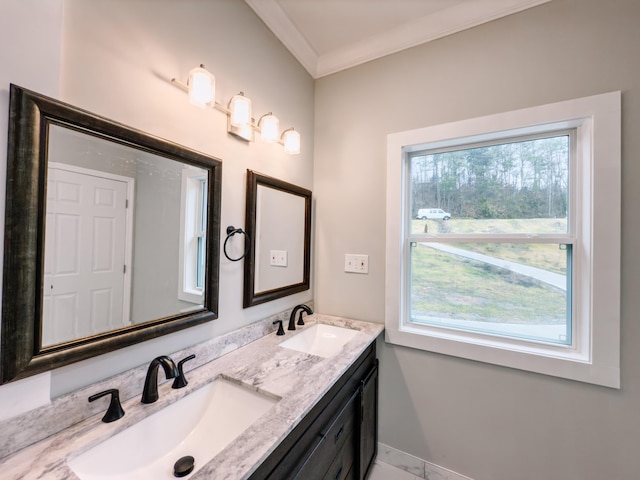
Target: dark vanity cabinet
[337,440]
[368,446]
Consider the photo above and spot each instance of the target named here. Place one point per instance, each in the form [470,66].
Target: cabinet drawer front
[339,435]
[341,467]
[340,429]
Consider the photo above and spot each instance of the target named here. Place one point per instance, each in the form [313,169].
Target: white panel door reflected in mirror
[89,237]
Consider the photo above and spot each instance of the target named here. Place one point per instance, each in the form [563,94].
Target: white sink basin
[199,425]
[320,339]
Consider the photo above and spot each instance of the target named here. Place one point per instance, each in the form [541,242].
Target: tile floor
[384,471]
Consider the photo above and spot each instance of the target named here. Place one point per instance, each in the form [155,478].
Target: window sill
[551,360]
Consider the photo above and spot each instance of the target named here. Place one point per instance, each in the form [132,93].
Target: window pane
[203,206]
[514,290]
[201,235]
[200,267]
[523,183]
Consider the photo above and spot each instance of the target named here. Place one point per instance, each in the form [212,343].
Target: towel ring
[231,231]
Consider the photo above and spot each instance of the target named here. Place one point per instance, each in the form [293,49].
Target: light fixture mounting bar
[246,132]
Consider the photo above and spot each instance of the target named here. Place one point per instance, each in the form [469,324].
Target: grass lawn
[448,286]
[546,257]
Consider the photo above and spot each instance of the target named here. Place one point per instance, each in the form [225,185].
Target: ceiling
[327,36]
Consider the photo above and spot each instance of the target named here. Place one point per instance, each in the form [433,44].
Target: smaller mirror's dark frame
[250,297]
[30,115]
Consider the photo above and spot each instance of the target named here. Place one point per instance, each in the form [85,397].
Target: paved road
[554,279]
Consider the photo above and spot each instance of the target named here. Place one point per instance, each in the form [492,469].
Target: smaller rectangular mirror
[278,226]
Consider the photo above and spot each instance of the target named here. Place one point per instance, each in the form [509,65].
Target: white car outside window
[433,214]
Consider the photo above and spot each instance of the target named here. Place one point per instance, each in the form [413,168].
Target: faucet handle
[115,411]
[280,329]
[181,381]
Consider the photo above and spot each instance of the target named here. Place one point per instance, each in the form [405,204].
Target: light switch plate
[278,258]
[356,263]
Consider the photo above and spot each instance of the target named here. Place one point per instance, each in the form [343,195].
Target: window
[500,265]
[497,249]
[193,240]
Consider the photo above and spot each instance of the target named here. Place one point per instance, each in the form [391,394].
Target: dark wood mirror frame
[30,115]
[250,297]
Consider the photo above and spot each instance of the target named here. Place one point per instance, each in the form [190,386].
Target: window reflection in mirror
[193,235]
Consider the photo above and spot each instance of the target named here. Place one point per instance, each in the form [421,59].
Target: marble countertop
[298,378]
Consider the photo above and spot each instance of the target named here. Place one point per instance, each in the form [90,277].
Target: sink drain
[184,466]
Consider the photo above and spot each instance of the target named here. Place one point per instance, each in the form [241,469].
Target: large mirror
[278,225]
[111,236]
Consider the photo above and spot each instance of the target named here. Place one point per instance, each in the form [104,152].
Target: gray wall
[487,422]
[30,50]
[116,58]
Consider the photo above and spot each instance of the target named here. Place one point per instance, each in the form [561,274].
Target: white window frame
[594,356]
[191,205]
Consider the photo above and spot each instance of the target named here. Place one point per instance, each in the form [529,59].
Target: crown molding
[416,32]
[275,18]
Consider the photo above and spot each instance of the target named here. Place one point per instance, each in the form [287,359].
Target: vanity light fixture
[269,126]
[201,90]
[201,87]
[240,110]
[239,121]
[291,141]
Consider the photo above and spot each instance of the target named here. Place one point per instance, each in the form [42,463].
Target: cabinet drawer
[341,467]
[342,427]
[333,440]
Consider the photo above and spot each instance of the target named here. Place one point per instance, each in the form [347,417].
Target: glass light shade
[202,87]
[269,126]
[240,108]
[291,141]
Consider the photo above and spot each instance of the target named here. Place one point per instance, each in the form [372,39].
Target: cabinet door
[337,442]
[368,421]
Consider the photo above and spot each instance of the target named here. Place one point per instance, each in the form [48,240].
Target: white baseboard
[416,466]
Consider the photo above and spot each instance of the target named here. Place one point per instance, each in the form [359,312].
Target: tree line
[523,179]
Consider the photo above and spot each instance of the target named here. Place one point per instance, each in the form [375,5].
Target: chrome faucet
[150,391]
[292,318]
